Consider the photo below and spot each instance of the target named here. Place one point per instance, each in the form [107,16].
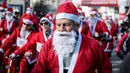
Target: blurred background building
[114,8]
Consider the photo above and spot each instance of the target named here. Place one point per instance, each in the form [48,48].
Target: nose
[62,28]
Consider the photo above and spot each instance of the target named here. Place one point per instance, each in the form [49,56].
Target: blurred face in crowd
[64,37]
[2,13]
[27,26]
[9,16]
[45,26]
[93,15]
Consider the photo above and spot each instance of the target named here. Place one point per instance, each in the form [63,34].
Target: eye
[58,24]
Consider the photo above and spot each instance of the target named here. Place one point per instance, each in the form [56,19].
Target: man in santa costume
[19,37]
[98,28]
[8,25]
[110,38]
[68,51]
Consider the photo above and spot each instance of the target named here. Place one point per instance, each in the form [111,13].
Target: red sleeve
[42,64]
[10,41]
[30,46]
[121,42]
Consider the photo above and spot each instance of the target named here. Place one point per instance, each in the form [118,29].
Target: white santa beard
[9,18]
[93,21]
[64,45]
[23,32]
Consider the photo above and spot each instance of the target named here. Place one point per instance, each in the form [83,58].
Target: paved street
[116,61]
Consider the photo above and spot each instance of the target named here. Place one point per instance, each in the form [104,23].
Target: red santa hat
[68,11]
[29,10]
[28,20]
[79,9]
[47,18]
[3,6]
[94,11]
[9,10]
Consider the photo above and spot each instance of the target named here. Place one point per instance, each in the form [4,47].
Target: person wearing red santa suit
[110,38]
[29,11]
[35,44]
[68,51]
[98,28]
[19,37]
[8,25]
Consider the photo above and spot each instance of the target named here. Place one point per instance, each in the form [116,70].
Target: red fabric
[121,42]
[31,45]
[85,29]
[90,57]
[67,8]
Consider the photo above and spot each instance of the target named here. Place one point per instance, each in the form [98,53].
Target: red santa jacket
[86,58]
[8,28]
[84,29]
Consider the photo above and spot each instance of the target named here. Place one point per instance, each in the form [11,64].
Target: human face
[9,16]
[64,25]
[45,26]
[93,15]
[27,26]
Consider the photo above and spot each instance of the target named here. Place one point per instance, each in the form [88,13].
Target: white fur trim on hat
[9,12]
[27,21]
[1,8]
[52,25]
[68,16]
[93,12]
[29,12]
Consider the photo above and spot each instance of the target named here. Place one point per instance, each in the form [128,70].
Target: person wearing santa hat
[110,38]
[19,38]
[35,44]
[8,25]
[3,8]
[98,28]
[68,51]
[29,11]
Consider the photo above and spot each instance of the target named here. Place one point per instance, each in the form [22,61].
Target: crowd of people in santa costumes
[66,42]
[68,51]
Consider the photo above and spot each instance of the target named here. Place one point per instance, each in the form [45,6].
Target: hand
[12,56]
[1,29]
[1,51]
[28,54]
[96,34]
